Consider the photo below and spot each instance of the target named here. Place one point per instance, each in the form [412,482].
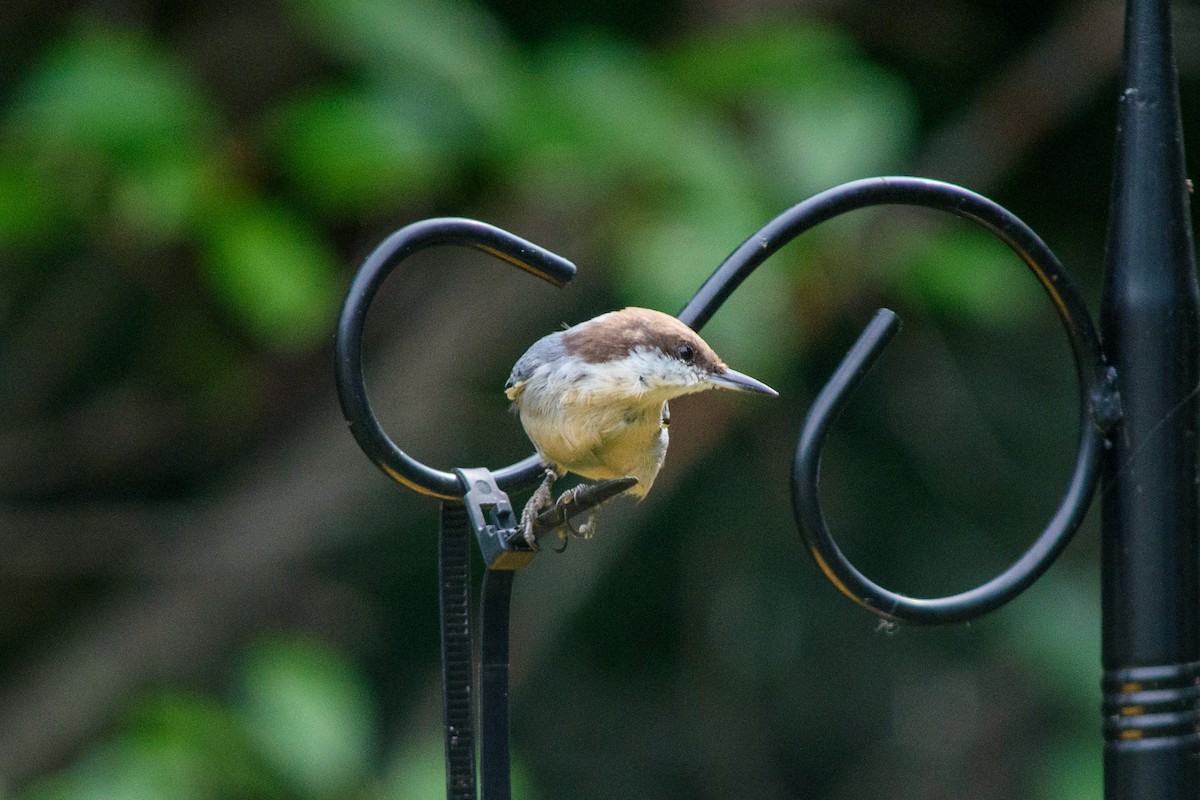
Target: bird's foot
[580,500]
[586,530]
[539,501]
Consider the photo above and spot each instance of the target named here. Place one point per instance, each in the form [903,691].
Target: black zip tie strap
[454,601]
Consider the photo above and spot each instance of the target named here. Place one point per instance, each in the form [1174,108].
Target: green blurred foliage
[433,92]
[273,272]
[308,713]
[964,274]
[301,726]
[299,722]
[354,153]
[131,145]
[109,96]
[679,154]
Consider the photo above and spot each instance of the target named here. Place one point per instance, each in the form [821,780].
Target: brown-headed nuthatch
[593,398]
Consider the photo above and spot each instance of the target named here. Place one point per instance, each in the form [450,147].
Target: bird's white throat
[645,376]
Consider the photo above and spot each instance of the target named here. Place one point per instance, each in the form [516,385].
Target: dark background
[206,591]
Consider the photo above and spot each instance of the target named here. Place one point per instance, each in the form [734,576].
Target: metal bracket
[492,519]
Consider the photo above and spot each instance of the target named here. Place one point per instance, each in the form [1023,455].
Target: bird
[594,398]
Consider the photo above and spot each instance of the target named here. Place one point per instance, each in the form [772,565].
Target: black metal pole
[1151,583]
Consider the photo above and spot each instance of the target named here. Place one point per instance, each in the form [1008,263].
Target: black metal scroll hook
[348,358]
[472,499]
[1099,405]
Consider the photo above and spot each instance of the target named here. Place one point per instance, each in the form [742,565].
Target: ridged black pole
[1151,593]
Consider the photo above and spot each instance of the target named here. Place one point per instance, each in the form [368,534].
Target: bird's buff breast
[597,441]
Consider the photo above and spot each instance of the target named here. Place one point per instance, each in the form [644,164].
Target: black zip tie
[454,600]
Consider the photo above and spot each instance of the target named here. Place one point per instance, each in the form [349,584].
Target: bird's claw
[568,528]
[588,529]
[538,502]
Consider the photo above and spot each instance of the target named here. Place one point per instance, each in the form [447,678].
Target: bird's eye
[686,352]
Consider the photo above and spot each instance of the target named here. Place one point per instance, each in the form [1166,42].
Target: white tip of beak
[732,379]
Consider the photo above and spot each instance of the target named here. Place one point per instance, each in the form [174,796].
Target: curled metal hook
[348,361]
[1099,404]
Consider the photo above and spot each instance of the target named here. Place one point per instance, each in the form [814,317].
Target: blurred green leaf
[1063,655]
[274,273]
[174,746]
[111,91]
[356,152]
[208,736]
[418,772]
[730,63]
[604,102]
[31,210]
[454,48]
[820,112]
[162,199]
[1072,771]
[126,770]
[964,272]
[310,715]
[858,124]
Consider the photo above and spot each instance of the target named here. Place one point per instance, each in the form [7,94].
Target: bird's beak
[732,379]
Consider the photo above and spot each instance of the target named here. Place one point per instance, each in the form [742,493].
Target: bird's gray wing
[547,349]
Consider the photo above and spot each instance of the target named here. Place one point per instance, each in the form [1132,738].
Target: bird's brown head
[658,340]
